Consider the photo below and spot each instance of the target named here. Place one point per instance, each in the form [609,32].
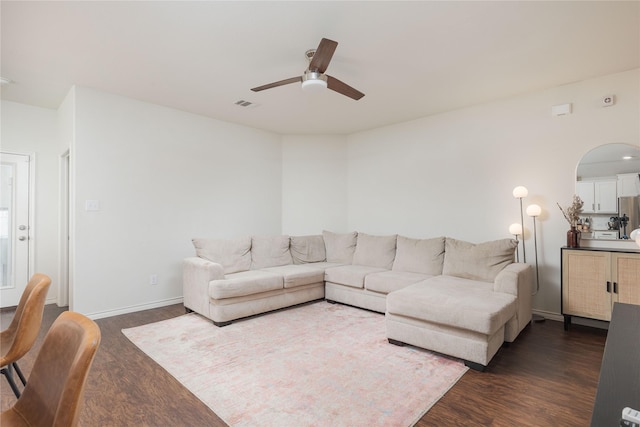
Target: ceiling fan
[314,77]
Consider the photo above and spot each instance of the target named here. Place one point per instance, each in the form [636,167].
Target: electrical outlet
[153,279]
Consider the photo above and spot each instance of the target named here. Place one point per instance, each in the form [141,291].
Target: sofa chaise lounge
[442,294]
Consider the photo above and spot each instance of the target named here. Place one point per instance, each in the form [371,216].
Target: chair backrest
[25,325]
[54,393]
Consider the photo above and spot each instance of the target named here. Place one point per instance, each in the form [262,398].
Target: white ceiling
[411,59]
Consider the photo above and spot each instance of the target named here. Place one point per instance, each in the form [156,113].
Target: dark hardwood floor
[547,377]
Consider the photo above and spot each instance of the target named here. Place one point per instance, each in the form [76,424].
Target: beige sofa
[442,294]
[232,279]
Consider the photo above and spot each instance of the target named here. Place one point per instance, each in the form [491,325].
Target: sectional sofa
[442,294]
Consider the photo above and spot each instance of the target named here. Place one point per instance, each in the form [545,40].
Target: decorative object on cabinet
[572,215]
[592,280]
[521,192]
[584,225]
[516,230]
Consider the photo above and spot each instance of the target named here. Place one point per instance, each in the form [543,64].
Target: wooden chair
[18,338]
[53,395]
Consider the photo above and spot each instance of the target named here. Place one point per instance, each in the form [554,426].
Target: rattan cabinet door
[626,276]
[585,292]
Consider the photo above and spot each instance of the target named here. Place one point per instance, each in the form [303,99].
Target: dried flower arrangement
[572,213]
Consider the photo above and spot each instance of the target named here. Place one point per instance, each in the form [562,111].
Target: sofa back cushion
[375,251]
[234,255]
[482,261]
[305,249]
[340,247]
[419,255]
[270,251]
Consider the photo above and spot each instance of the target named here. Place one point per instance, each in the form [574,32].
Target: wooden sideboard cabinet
[594,279]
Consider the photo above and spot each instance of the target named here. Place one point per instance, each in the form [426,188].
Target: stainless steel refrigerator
[629,206]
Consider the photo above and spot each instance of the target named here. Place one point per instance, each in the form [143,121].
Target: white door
[14,227]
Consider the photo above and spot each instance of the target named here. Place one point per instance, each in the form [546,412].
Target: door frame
[64,229]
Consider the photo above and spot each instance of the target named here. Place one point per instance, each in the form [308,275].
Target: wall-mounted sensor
[561,110]
[608,100]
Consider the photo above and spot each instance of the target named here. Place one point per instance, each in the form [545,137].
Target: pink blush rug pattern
[314,365]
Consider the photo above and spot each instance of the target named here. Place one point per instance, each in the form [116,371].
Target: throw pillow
[270,252]
[306,249]
[420,255]
[481,261]
[234,255]
[339,247]
[375,251]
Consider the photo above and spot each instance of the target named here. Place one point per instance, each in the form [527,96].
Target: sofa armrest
[196,275]
[516,279]
[513,279]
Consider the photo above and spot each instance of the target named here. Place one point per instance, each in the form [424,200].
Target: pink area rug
[313,365]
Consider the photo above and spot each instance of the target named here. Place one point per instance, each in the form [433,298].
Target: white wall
[453,174]
[32,130]
[314,190]
[161,177]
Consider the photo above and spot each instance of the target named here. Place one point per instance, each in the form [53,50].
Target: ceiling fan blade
[322,57]
[343,88]
[276,84]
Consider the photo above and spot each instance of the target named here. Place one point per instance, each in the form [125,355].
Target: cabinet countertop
[623,250]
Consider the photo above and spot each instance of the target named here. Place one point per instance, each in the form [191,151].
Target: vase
[573,238]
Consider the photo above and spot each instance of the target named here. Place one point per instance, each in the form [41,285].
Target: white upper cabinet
[598,196]
[629,184]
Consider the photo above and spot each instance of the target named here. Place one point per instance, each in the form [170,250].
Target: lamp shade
[520,192]
[534,210]
[515,229]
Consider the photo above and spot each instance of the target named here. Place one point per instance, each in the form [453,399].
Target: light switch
[92,205]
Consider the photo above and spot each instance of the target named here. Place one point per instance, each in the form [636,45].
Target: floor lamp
[534,211]
[516,230]
[521,192]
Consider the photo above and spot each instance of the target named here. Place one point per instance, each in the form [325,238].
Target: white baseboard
[134,308]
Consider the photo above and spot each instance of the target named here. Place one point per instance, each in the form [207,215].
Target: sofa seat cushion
[471,307]
[350,275]
[324,265]
[389,281]
[298,275]
[245,283]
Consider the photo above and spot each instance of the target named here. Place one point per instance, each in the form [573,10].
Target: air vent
[243,103]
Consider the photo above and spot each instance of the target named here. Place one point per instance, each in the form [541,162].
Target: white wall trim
[134,308]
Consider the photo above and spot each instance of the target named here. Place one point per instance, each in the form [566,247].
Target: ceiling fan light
[314,82]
